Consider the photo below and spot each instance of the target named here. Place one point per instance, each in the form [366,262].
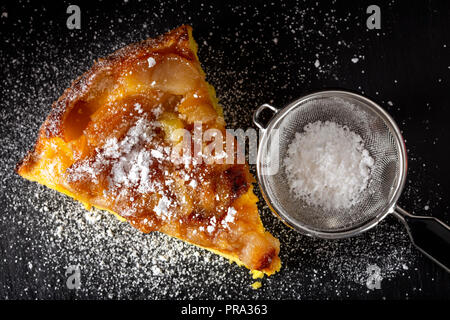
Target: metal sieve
[383,140]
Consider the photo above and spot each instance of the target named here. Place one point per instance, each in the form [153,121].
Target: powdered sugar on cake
[137,171]
[129,161]
[229,218]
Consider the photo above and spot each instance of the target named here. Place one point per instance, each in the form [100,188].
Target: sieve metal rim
[280,114]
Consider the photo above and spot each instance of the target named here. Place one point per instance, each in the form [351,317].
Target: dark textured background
[405,67]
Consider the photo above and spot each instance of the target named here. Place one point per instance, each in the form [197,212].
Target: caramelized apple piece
[175,75]
[173,127]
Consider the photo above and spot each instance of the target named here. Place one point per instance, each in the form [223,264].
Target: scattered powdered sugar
[48,231]
[317,63]
[156,270]
[138,107]
[157,111]
[162,208]
[229,218]
[91,216]
[193,183]
[131,170]
[327,165]
[212,225]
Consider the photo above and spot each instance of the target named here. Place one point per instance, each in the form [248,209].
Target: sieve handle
[257,113]
[429,235]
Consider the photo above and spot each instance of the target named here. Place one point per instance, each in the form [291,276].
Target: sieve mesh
[378,133]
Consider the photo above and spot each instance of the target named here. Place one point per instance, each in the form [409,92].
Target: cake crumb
[256,274]
[256,285]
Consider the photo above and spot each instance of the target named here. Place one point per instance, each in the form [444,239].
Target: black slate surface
[253,52]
